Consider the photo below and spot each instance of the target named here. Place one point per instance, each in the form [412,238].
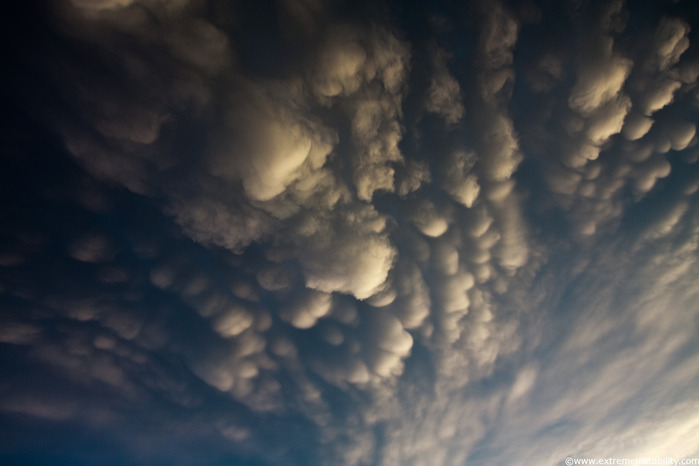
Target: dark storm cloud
[345,233]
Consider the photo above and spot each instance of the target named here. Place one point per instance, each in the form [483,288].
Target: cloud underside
[320,240]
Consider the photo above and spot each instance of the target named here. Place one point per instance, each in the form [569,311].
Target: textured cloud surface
[358,233]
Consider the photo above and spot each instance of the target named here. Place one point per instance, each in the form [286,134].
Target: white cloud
[523,384]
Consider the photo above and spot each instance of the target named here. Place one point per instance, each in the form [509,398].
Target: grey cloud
[659,96]
[460,180]
[610,97]
[375,127]
[608,121]
[607,375]
[307,309]
[350,253]
[365,74]
[413,303]
[248,230]
[547,70]
[648,173]
[19,333]
[92,248]
[269,150]
[340,67]
[428,219]
[482,177]
[671,41]
[412,177]
[636,126]
[682,135]
[392,342]
[208,220]
[599,81]
[444,94]
[501,151]
[278,159]
[102,5]
[497,39]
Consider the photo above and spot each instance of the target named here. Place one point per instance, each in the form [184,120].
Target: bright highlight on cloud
[308,232]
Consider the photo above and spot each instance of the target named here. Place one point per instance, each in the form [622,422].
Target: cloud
[233,322]
[268,152]
[682,135]
[413,303]
[636,126]
[501,156]
[497,39]
[660,96]
[459,179]
[371,76]
[392,344]
[376,134]
[350,255]
[207,220]
[604,385]
[608,121]
[340,68]
[19,333]
[444,93]
[333,233]
[616,90]
[307,309]
[428,220]
[599,81]
[102,5]
[671,41]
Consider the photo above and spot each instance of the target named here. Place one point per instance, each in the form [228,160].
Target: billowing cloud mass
[357,233]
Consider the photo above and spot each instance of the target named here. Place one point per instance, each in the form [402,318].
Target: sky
[329,232]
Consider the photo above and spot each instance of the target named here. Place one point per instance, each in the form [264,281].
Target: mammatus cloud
[342,233]
[444,93]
